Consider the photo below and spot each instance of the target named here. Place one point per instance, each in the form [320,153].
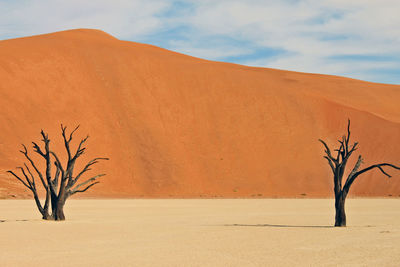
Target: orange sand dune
[178,126]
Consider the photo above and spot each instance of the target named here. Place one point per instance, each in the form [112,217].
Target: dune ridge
[179,126]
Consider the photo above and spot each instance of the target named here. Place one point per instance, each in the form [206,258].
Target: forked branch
[85,189]
[67,140]
[19,179]
[75,190]
[25,153]
[351,179]
[87,168]
[80,150]
[328,152]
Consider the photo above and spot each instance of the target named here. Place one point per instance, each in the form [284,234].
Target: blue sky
[353,38]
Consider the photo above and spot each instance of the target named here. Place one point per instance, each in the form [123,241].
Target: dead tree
[338,166]
[63,182]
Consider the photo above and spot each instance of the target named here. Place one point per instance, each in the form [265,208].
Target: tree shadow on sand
[2,221]
[279,225]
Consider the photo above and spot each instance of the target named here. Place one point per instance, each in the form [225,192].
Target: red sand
[178,126]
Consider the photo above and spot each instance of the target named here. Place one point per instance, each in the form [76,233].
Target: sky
[353,38]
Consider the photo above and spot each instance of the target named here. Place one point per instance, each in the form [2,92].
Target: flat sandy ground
[218,232]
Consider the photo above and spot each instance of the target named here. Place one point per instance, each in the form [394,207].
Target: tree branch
[83,190]
[19,179]
[25,152]
[31,183]
[356,166]
[379,166]
[70,135]
[80,150]
[340,152]
[330,163]
[33,178]
[86,182]
[87,168]
[58,162]
[37,149]
[354,148]
[56,176]
[328,151]
[68,140]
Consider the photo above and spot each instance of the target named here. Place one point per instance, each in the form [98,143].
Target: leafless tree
[63,182]
[338,165]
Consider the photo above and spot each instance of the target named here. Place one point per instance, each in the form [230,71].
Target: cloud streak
[359,39]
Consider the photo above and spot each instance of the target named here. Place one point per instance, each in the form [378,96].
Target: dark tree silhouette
[338,165]
[62,183]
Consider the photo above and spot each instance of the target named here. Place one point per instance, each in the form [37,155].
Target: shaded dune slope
[178,126]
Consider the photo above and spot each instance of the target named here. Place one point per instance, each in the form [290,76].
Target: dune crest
[179,126]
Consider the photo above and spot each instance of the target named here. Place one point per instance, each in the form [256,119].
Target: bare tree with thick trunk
[60,184]
[338,166]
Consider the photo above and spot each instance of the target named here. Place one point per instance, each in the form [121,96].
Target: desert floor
[207,232]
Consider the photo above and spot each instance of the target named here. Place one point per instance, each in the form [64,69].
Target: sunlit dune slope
[178,126]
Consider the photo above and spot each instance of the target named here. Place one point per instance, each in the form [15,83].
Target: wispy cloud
[358,38]
[122,18]
[311,32]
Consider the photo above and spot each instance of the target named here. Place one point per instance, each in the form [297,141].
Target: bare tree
[338,165]
[63,182]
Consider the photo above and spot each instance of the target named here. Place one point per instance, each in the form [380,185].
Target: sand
[178,126]
[218,232]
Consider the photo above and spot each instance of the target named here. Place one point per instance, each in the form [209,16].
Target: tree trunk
[59,214]
[59,211]
[43,211]
[47,216]
[54,201]
[340,218]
